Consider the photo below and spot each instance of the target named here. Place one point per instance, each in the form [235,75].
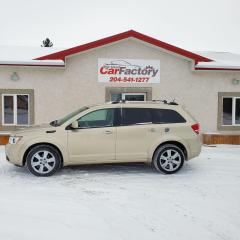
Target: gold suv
[161,134]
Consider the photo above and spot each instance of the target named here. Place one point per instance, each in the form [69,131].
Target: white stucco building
[40,85]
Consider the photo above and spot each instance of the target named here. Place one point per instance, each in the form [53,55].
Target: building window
[15,109]
[128,96]
[231,111]
[128,93]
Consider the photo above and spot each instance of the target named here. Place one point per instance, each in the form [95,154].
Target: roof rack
[173,103]
[166,102]
[155,101]
[159,100]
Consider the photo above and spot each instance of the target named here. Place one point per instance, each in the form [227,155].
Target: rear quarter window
[166,116]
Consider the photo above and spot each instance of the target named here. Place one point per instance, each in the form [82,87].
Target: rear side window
[132,116]
[166,116]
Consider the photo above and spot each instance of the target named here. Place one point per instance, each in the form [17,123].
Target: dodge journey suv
[161,134]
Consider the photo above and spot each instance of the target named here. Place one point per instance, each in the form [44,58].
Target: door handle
[108,132]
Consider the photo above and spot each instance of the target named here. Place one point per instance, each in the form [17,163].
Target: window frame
[233,111]
[220,126]
[14,95]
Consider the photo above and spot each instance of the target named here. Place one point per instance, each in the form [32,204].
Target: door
[94,140]
[134,135]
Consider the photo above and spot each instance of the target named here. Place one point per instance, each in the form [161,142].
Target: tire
[43,160]
[168,159]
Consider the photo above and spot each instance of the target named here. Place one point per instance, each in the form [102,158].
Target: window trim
[14,95]
[220,126]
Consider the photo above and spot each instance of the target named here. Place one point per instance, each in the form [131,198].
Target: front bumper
[14,154]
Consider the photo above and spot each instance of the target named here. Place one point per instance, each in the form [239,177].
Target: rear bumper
[195,148]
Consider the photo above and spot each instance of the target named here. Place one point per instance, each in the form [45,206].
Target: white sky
[193,25]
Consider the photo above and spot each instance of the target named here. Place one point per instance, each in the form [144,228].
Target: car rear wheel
[168,159]
[43,160]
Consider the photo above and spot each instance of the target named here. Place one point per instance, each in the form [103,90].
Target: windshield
[61,121]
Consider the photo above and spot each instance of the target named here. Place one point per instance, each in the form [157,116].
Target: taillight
[196,128]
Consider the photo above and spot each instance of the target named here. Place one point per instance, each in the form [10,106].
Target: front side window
[231,111]
[98,118]
[15,109]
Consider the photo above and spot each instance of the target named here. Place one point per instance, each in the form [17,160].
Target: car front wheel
[43,160]
[168,159]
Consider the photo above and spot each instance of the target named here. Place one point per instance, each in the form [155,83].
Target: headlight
[14,139]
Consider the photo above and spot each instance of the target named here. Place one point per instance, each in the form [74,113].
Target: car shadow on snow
[116,169]
[119,169]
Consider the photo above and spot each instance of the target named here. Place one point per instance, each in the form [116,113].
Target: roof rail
[166,102]
[159,100]
[173,103]
[155,101]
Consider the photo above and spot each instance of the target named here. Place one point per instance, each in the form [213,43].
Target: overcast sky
[193,25]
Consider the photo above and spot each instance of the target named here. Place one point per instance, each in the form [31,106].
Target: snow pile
[124,201]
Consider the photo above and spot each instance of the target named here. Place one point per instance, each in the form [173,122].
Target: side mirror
[74,125]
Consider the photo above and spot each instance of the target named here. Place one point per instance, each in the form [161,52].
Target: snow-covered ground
[125,201]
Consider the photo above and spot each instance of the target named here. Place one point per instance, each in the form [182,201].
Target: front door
[94,140]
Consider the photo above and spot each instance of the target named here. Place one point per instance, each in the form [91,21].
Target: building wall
[58,91]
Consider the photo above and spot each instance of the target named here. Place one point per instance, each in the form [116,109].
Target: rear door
[142,128]
[132,140]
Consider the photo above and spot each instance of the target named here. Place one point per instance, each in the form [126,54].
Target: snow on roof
[220,56]
[221,60]
[21,55]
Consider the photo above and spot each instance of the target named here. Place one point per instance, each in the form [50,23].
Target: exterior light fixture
[235,81]
[15,77]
